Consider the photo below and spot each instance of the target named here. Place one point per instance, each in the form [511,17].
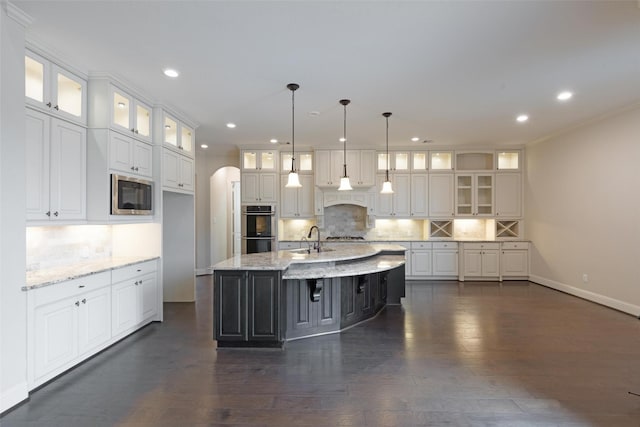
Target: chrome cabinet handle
[48,213]
[55,213]
[56,108]
[77,303]
[48,104]
[84,300]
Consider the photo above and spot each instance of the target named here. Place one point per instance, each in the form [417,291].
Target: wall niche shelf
[441,229]
[508,229]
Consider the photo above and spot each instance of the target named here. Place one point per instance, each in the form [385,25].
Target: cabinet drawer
[515,245]
[420,245]
[131,271]
[70,288]
[483,245]
[445,245]
[282,246]
[406,245]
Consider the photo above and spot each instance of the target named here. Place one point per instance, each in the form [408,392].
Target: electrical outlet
[585,278]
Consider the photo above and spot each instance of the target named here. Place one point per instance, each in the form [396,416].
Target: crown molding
[17,14]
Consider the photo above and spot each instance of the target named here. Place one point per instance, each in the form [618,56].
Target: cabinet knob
[133,168]
[77,303]
[137,131]
[136,169]
[84,300]
[56,108]
[48,213]
[49,104]
[133,130]
[55,213]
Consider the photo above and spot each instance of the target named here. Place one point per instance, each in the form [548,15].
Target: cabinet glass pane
[286,162]
[402,161]
[143,121]
[34,79]
[120,110]
[508,160]
[69,95]
[267,160]
[186,139]
[419,161]
[485,181]
[441,161]
[382,162]
[306,162]
[170,131]
[249,160]
[464,181]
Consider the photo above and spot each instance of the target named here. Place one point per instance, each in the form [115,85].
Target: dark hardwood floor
[472,354]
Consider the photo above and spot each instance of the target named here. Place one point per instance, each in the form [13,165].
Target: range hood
[358,198]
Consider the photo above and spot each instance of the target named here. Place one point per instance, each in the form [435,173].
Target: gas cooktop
[345,238]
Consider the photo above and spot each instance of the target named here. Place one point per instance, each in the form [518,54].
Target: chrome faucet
[317,246]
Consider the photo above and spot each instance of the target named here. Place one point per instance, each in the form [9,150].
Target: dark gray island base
[265,300]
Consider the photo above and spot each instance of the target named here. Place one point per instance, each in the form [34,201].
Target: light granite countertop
[49,276]
[349,268]
[282,260]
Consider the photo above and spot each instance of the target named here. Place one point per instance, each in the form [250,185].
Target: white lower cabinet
[444,261]
[514,261]
[481,260]
[134,297]
[70,321]
[421,259]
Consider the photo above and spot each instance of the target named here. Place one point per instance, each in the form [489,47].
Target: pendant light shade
[386,185]
[344,181]
[294,179]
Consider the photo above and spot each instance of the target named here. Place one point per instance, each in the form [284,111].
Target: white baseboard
[203,271]
[588,295]
[11,397]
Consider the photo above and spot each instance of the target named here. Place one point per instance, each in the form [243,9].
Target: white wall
[221,218]
[178,247]
[13,310]
[583,210]
[207,163]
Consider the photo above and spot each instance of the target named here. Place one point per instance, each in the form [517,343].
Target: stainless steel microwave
[131,196]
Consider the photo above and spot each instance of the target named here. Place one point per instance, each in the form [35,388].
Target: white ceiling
[455,72]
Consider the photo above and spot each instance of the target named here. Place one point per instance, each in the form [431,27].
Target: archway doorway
[224,239]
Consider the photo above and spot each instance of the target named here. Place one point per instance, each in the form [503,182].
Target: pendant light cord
[345,102]
[293,130]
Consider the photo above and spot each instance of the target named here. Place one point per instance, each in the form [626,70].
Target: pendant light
[344,181]
[386,185]
[294,179]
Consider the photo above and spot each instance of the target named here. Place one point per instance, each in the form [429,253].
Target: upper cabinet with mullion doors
[177,135]
[304,162]
[55,90]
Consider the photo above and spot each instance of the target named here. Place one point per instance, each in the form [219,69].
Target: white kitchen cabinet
[419,161]
[444,259]
[304,162]
[130,115]
[474,194]
[514,261]
[177,172]
[509,160]
[70,321]
[509,195]
[481,260]
[441,191]
[476,161]
[259,160]
[398,161]
[419,195]
[55,90]
[297,202]
[56,170]
[134,297]
[130,156]
[421,259]
[329,167]
[176,135]
[257,187]
[441,161]
[398,204]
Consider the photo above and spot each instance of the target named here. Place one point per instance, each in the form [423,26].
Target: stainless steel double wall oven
[258,228]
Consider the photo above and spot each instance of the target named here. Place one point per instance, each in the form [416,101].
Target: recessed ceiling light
[564,96]
[170,72]
[273,141]
[522,118]
[204,146]
[231,125]
[415,139]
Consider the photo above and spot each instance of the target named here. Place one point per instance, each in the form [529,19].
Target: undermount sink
[306,251]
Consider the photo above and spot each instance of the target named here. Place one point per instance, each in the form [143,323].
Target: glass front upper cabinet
[440,160]
[186,139]
[131,115]
[419,161]
[509,160]
[304,162]
[259,160]
[170,131]
[398,161]
[54,89]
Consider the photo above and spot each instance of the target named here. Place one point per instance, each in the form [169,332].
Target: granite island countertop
[49,276]
[341,260]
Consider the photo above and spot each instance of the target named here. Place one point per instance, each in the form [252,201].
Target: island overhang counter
[266,299]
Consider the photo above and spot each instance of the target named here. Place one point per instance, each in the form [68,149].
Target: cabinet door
[56,336]
[250,187]
[483,197]
[94,320]
[384,202]
[69,94]
[441,195]
[421,262]
[419,196]
[141,120]
[472,262]
[37,76]
[124,305]
[230,300]
[142,158]
[120,152]
[306,200]
[337,168]
[508,195]
[402,195]
[121,108]
[268,187]
[170,172]
[348,313]
[367,168]
[187,139]
[263,300]
[445,263]
[490,263]
[515,263]
[37,143]
[288,199]
[148,297]
[68,171]
[186,173]
[323,168]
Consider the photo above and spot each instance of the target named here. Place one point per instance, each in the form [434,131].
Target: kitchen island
[266,299]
